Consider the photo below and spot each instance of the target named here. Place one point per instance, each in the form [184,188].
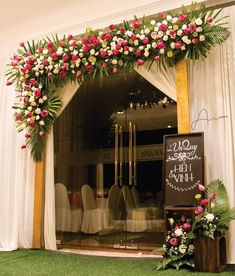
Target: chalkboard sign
[183,168]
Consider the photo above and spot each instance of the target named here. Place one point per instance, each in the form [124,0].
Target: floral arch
[38,68]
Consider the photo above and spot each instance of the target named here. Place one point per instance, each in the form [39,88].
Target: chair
[94,219]
[67,220]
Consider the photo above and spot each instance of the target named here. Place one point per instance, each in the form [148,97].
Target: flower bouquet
[178,248]
[213,213]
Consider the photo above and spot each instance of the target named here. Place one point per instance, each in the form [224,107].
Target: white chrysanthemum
[25,93]
[41,123]
[141,47]
[198,21]
[72,66]
[71,48]
[160,34]
[164,22]
[210,217]
[75,52]
[156,29]
[26,112]
[18,110]
[31,99]
[126,53]
[178,232]
[115,38]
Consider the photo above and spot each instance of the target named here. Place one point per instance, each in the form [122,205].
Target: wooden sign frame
[183,168]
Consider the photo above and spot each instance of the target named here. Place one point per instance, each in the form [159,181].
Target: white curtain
[66,94]
[212,100]
[163,79]
[17,177]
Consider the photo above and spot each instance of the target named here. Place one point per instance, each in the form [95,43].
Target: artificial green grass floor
[42,262]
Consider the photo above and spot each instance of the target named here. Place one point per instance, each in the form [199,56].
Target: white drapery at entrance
[212,106]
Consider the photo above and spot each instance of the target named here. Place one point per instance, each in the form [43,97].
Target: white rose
[162,51]
[174,19]
[92,52]
[160,34]
[25,93]
[185,38]
[165,37]
[156,29]
[40,101]
[154,45]
[41,123]
[201,38]
[146,53]
[37,117]
[131,49]
[38,110]
[210,217]
[141,47]
[45,51]
[153,22]
[182,248]
[136,42]
[178,232]
[33,104]
[18,111]
[198,21]
[179,32]
[147,31]
[114,61]
[142,37]
[80,55]
[172,45]
[168,17]
[26,112]
[184,27]
[72,66]
[60,51]
[126,53]
[30,108]
[164,22]
[31,99]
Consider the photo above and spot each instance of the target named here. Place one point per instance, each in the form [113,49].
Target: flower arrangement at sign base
[39,67]
[179,245]
[213,213]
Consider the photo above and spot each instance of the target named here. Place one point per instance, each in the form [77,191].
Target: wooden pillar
[183,111]
[38,204]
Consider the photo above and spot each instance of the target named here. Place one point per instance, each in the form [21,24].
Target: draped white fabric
[17,177]
[66,94]
[163,79]
[212,99]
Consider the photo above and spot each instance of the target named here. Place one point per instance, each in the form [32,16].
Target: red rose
[136,24]
[195,40]
[187,31]
[178,44]
[199,210]
[89,68]
[27,135]
[163,27]
[160,44]
[26,100]
[118,47]
[62,74]
[50,44]
[210,19]
[138,53]
[133,37]
[108,36]
[115,52]
[86,48]
[52,50]
[104,65]
[70,37]
[74,57]
[126,48]
[49,75]
[37,92]
[84,41]
[124,43]
[54,56]
[65,57]
[172,32]
[103,53]
[74,44]
[157,58]
[31,123]
[9,83]
[204,201]
[112,27]
[40,49]
[182,17]
[140,62]
[18,117]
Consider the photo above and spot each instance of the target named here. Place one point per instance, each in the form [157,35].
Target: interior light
[169,126]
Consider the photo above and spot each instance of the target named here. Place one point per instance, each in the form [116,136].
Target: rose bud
[204,201]
[78,74]
[212,196]
[136,24]
[187,226]
[182,17]
[23,146]
[49,75]
[210,19]
[115,70]
[70,37]
[157,58]
[201,187]
[9,83]
[41,133]
[50,44]
[112,27]
[22,44]
[27,135]
[140,62]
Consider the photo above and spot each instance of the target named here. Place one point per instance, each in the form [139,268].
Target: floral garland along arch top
[39,67]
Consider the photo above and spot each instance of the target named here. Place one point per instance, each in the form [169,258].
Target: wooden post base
[210,255]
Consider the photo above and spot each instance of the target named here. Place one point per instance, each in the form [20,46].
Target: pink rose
[18,117]
[140,62]
[37,92]
[50,44]
[182,17]
[108,36]
[193,27]
[133,37]
[52,50]
[124,43]
[31,123]
[204,201]
[212,196]
[199,210]
[178,44]
[14,63]
[104,64]
[32,81]
[115,52]
[29,115]
[163,27]
[49,75]
[201,187]
[172,32]
[126,48]
[154,35]
[44,113]
[157,58]
[86,48]
[26,100]
[40,49]
[187,226]
[210,19]
[160,44]
[45,62]
[41,133]
[136,24]
[115,70]
[173,241]
[84,41]
[78,74]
